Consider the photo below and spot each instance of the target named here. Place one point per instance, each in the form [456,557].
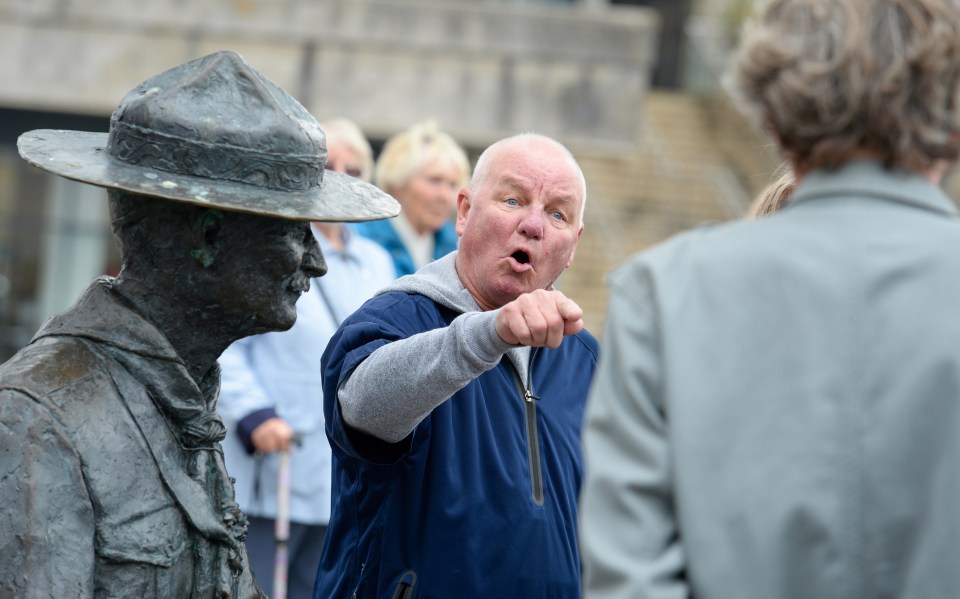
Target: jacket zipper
[404,588]
[533,440]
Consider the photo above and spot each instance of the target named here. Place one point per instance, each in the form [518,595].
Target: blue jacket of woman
[445,240]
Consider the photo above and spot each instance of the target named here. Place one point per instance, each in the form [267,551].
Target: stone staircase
[699,162]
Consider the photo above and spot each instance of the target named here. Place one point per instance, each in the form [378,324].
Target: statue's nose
[313,262]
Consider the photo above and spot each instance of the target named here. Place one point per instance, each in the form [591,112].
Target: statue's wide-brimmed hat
[213,132]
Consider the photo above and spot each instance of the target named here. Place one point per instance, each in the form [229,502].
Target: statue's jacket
[111,475]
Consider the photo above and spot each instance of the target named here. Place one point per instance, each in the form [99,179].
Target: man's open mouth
[521,256]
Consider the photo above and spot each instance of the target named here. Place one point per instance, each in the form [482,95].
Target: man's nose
[531,224]
[313,262]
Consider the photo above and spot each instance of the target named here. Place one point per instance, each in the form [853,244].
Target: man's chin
[511,289]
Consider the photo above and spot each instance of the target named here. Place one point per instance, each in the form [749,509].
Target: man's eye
[558,215]
[512,202]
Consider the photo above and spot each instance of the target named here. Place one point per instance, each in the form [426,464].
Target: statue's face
[268,264]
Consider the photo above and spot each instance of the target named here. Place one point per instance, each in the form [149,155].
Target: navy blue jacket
[456,509]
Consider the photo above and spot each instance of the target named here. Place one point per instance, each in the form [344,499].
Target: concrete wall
[482,70]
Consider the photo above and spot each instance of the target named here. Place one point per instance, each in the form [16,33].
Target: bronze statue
[111,474]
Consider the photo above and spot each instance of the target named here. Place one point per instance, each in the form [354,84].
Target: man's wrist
[480,329]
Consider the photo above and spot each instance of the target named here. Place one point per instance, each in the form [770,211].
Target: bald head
[526,143]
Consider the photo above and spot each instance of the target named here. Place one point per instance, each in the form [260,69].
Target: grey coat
[111,480]
[776,413]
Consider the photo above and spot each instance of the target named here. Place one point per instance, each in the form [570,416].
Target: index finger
[568,309]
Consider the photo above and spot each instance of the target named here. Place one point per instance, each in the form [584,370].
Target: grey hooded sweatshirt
[400,383]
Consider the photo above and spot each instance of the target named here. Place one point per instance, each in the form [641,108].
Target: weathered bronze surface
[213,132]
[112,479]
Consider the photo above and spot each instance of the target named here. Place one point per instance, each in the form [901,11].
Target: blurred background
[631,87]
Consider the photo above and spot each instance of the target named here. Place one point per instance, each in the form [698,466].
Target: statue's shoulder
[50,367]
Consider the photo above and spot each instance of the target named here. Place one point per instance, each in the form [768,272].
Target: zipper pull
[528,395]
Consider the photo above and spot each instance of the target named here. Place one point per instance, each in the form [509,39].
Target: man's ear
[574,250]
[463,207]
[206,233]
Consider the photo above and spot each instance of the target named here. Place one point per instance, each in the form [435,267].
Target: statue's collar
[101,314]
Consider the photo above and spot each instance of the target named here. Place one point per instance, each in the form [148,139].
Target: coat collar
[867,178]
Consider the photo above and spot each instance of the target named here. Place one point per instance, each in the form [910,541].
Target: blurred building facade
[630,87]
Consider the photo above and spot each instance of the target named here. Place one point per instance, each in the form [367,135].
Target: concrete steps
[681,177]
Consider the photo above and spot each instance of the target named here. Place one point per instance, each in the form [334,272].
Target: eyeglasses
[353,171]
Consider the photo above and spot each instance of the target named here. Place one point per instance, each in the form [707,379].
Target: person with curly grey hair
[776,411]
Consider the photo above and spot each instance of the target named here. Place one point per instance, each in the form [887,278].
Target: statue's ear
[206,231]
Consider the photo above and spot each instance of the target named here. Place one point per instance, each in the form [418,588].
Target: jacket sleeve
[629,537]
[47,527]
[400,383]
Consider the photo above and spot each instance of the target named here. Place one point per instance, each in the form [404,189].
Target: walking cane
[282,523]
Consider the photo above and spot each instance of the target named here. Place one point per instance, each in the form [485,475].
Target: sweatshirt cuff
[249,423]
[481,336]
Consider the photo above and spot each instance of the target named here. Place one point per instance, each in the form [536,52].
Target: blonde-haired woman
[775,195]
[424,169]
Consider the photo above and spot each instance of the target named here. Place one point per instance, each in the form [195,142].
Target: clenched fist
[539,318]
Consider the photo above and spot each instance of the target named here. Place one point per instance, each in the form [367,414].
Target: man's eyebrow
[512,182]
[508,181]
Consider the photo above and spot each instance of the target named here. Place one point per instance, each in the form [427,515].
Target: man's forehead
[564,186]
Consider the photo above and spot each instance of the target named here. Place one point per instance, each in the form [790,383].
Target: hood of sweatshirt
[440,282]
